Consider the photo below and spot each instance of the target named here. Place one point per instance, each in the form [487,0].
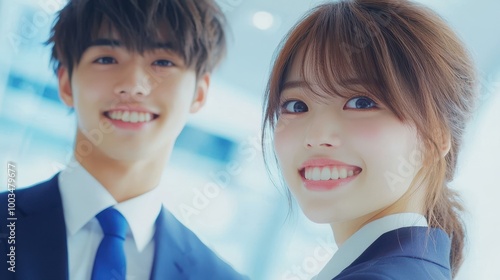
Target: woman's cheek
[375,145]
[367,129]
[282,139]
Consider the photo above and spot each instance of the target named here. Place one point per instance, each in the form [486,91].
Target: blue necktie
[109,262]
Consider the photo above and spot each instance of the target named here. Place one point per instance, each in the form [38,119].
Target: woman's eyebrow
[294,84]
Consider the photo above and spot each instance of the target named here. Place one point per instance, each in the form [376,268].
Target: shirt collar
[83,197]
[355,245]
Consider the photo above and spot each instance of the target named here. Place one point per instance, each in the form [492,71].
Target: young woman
[366,106]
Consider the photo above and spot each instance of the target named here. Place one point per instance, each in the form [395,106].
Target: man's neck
[125,179]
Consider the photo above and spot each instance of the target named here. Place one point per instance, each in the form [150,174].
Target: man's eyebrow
[105,42]
[164,45]
[294,84]
[117,43]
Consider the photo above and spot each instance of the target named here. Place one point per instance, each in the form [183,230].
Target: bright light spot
[263,20]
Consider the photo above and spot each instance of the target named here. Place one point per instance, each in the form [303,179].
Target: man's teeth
[133,117]
[327,173]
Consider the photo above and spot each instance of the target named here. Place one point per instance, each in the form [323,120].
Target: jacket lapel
[41,233]
[169,259]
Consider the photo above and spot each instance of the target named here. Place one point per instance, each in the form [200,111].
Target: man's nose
[135,81]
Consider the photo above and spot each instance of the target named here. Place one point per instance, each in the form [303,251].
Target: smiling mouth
[326,173]
[130,116]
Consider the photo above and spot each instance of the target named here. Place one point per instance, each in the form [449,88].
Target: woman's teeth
[327,173]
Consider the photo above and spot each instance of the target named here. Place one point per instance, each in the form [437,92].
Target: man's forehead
[107,31]
[108,35]
[161,32]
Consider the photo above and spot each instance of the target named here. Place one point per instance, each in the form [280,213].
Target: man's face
[130,106]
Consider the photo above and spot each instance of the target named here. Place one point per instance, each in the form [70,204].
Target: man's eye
[105,60]
[294,106]
[361,102]
[163,63]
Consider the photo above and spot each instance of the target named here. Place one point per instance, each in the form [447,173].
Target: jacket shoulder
[28,231]
[40,195]
[394,268]
[405,253]
[198,258]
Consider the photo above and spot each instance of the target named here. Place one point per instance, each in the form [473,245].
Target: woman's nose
[324,130]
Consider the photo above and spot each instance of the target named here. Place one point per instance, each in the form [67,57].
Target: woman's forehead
[308,70]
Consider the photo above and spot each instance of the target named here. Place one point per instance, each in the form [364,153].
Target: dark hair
[407,57]
[195,28]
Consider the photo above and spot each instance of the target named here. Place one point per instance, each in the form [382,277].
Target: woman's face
[343,158]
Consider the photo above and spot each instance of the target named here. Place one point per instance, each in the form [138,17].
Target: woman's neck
[409,203]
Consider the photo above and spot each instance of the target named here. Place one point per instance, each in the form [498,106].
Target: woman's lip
[327,184]
[356,171]
[321,162]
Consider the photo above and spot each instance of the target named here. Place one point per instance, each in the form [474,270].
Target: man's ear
[65,92]
[200,96]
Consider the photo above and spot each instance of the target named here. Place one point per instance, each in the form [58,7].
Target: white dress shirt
[355,245]
[83,197]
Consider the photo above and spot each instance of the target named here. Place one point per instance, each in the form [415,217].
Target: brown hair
[195,28]
[407,57]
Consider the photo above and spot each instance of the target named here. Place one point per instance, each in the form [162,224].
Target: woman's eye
[294,106]
[163,63]
[105,60]
[360,103]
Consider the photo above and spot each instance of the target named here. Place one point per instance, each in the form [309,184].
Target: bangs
[136,31]
[350,51]
[140,26]
[192,29]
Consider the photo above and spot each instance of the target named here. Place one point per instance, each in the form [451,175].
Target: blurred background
[227,199]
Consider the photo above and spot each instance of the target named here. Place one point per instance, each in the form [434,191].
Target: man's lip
[137,109]
[321,162]
[131,108]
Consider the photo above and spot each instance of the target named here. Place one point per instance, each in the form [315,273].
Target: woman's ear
[445,144]
[200,96]
[65,92]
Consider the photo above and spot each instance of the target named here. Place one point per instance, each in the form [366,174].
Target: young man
[133,71]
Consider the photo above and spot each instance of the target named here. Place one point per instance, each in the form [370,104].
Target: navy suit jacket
[41,247]
[409,253]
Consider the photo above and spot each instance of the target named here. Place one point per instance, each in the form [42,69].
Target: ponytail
[444,211]
[446,215]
